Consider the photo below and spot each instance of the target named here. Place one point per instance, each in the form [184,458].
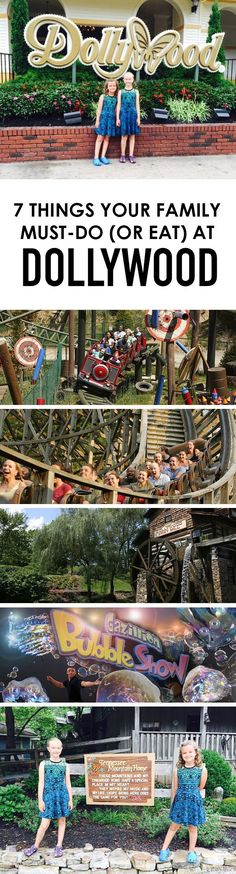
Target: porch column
[136,730]
[203,726]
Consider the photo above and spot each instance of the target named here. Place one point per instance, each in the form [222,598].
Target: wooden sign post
[120,778]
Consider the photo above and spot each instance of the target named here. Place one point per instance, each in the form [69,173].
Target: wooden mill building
[186,554]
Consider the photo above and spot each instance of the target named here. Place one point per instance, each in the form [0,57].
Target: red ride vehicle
[105,375]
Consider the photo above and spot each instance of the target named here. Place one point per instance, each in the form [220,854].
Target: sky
[37,518]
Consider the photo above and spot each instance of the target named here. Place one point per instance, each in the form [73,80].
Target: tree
[117,532]
[15,540]
[215,26]
[42,720]
[10,727]
[98,542]
[19,19]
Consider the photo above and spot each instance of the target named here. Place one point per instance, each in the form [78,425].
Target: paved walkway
[198,166]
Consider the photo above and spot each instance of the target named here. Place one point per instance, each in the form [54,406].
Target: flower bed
[31,98]
[32,124]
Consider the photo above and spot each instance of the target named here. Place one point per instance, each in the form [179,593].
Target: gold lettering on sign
[64,44]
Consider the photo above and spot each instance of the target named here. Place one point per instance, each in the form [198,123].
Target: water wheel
[156,564]
[200,577]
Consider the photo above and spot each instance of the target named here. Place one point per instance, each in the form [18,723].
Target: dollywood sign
[134,51]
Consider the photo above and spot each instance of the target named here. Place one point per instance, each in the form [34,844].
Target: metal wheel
[158,559]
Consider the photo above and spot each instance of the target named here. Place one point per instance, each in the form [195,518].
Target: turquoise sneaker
[105,161]
[97,162]
[193,858]
[164,855]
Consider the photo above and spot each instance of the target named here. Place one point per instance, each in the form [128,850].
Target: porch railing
[165,744]
[17,763]
[6,67]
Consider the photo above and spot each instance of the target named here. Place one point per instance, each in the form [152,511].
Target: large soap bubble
[27,691]
[127,686]
[205,684]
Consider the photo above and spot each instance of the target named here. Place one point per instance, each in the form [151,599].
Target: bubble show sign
[136,51]
[109,645]
[192,658]
[117,778]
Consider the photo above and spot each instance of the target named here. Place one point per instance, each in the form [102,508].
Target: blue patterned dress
[128,113]
[107,123]
[55,793]
[187,807]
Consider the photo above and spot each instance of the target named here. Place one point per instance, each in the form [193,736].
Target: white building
[189,17]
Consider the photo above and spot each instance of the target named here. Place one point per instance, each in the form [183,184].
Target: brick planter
[63,143]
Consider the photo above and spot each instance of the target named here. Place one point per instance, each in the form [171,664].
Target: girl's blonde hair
[198,755]
[130,72]
[106,89]
[50,739]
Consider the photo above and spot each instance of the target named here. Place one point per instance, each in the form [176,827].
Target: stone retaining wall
[118,861]
[63,143]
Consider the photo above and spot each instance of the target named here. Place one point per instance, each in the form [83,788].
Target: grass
[98,587]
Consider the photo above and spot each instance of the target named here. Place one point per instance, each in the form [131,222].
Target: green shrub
[232,792]
[154,823]
[30,783]
[22,584]
[228,807]
[188,110]
[215,26]
[12,800]
[212,832]
[219,772]
[75,813]
[47,99]
[19,18]
[40,94]
[209,834]
[77,781]
[158,92]
[106,816]
[30,816]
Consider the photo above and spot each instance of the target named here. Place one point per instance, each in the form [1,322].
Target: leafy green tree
[99,542]
[116,542]
[215,26]
[42,720]
[19,19]
[15,540]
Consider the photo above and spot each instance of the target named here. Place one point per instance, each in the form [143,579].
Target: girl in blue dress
[54,795]
[128,116]
[105,125]
[187,807]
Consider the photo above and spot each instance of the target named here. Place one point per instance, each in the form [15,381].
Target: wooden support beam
[170,359]
[81,338]
[211,350]
[10,374]
[93,324]
[195,315]
[71,343]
